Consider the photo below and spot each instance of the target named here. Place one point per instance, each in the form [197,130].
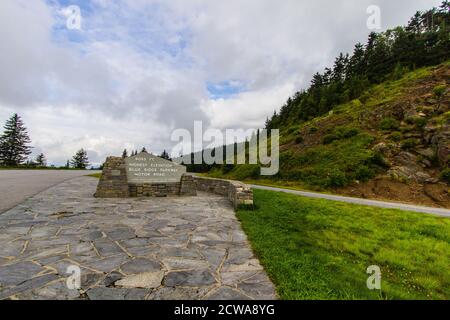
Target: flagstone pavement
[153,248]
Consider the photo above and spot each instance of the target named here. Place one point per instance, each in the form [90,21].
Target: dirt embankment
[383,188]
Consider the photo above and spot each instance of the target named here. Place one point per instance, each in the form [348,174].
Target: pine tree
[41,161]
[125,154]
[80,159]
[30,163]
[339,68]
[165,155]
[14,149]
[356,65]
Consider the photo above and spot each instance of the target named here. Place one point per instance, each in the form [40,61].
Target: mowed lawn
[320,249]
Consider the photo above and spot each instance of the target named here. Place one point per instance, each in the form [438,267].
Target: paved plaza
[152,248]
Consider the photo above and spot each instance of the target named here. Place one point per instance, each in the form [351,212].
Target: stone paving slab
[153,248]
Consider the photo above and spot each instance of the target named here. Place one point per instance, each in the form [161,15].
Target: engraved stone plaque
[147,168]
[115,173]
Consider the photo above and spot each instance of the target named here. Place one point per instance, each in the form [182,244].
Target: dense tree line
[425,41]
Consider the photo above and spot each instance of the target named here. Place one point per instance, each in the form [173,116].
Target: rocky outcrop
[442,142]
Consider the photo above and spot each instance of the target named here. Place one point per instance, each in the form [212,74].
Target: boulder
[442,142]
[381,148]
[428,153]
[404,173]
[401,173]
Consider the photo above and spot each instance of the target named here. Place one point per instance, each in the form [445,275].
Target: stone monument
[144,175]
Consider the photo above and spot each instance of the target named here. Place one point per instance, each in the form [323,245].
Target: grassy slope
[319,249]
[307,162]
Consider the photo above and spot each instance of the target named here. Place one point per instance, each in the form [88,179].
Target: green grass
[95,175]
[320,249]
[330,165]
[321,167]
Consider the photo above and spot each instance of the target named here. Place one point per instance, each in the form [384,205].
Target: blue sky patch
[225,89]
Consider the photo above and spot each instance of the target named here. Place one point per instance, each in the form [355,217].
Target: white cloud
[140,68]
[252,107]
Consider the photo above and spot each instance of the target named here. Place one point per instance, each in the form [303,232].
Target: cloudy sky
[138,69]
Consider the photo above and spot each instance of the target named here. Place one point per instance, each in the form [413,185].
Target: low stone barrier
[240,194]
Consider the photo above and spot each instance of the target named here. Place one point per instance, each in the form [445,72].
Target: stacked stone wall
[238,193]
[113,181]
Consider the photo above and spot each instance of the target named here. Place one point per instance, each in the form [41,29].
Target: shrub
[389,123]
[439,90]
[226,168]
[349,132]
[336,178]
[396,136]
[365,97]
[299,140]
[409,144]
[344,132]
[245,171]
[356,103]
[330,138]
[445,175]
[313,129]
[364,173]
[410,120]
[407,129]
[420,122]
[378,160]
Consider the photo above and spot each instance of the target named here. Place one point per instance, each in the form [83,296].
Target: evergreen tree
[80,160]
[125,154]
[14,148]
[356,63]
[165,155]
[41,161]
[425,41]
[317,81]
[30,163]
[340,66]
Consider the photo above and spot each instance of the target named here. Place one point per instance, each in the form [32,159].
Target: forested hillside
[425,41]
[376,125]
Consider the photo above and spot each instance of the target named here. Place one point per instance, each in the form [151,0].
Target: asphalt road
[18,185]
[373,203]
